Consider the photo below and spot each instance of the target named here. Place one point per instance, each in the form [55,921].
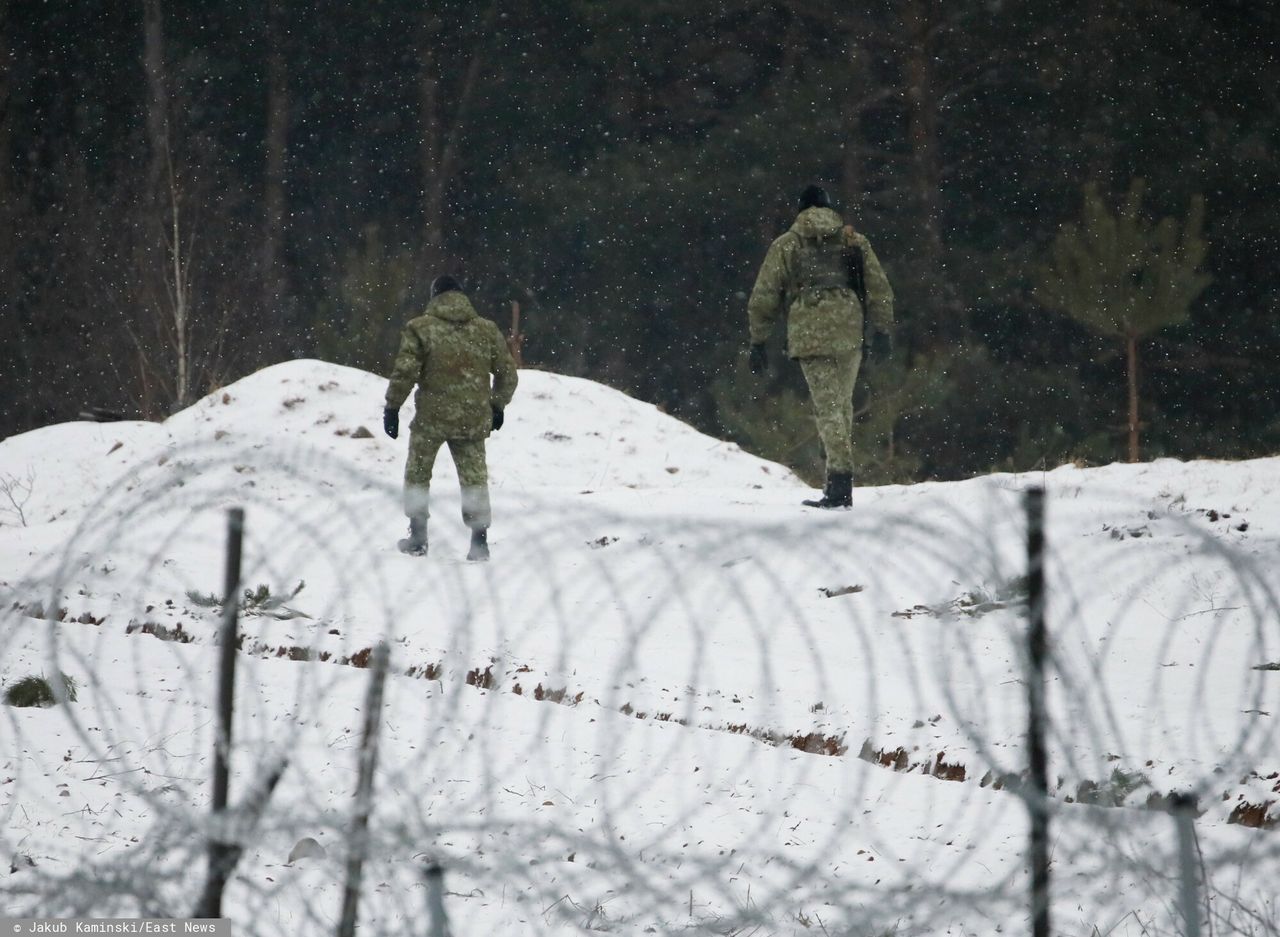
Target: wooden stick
[221,854]
[515,340]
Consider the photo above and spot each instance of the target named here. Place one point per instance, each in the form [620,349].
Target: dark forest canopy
[192,190]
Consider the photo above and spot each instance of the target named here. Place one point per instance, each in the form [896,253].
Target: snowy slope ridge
[674,700]
[561,432]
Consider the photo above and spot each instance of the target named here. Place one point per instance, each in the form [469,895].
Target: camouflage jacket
[824,321]
[450,352]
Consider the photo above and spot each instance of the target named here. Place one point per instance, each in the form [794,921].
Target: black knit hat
[814,196]
[443,284]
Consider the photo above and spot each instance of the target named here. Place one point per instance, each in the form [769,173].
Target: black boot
[479,545]
[416,543]
[837,494]
[819,502]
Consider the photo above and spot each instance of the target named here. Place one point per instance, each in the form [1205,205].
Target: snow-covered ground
[673,701]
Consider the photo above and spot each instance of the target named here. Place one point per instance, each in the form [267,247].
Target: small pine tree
[775,421]
[896,390]
[1124,277]
[360,324]
[38,691]
[776,426]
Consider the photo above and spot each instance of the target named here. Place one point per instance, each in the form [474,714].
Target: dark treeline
[192,190]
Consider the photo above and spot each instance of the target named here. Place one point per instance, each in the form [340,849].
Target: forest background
[192,190]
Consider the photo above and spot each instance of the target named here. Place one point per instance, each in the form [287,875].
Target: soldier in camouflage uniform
[818,273]
[450,353]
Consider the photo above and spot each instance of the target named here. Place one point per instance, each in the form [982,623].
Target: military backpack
[832,262]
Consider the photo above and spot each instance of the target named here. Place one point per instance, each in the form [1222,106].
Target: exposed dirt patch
[947,771]
[1113,792]
[430,671]
[163,632]
[1257,816]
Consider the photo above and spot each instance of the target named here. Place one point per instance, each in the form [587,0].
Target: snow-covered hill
[562,433]
[673,700]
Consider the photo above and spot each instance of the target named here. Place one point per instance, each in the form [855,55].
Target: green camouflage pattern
[473,477]
[821,322]
[450,353]
[831,379]
[463,369]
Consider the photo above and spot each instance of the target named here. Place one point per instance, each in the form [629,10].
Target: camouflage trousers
[831,381]
[473,477]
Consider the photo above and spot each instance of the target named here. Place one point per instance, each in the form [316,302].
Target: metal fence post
[359,843]
[221,854]
[437,923]
[1185,810]
[1038,793]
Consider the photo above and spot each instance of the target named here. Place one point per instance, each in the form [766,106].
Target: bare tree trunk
[277,138]
[157,105]
[7,193]
[852,173]
[851,176]
[430,149]
[166,246]
[179,298]
[441,131]
[926,168]
[151,231]
[10,322]
[1100,28]
[1131,349]
[6,105]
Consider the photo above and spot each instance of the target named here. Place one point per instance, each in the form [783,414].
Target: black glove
[498,417]
[391,422]
[881,348]
[758,359]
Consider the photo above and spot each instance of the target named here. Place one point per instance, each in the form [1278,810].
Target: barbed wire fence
[640,723]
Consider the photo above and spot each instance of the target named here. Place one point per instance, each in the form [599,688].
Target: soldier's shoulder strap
[855,263]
